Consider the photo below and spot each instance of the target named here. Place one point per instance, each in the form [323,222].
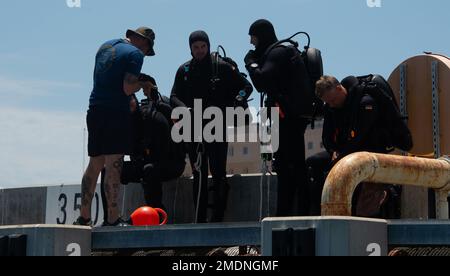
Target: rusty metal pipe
[359,167]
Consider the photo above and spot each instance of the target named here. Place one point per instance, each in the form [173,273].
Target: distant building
[313,140]
[245,158]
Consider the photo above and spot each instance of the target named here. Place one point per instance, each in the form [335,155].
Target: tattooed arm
[131,84]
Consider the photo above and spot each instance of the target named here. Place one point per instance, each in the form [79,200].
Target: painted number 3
[374,249]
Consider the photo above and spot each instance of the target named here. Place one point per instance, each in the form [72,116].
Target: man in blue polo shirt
[116,78]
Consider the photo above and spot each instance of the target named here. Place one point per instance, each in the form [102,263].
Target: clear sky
[48,49]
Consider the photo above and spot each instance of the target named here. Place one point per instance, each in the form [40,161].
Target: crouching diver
[155,157]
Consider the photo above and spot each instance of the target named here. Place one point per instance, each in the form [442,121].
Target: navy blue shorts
[109,131]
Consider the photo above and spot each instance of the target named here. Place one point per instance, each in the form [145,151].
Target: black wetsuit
[155,158]
[164,159]
[193,81]
[353,128]
[275,77]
